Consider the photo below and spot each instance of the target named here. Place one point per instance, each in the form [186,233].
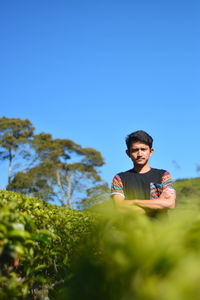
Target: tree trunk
[10,167]
[61,188]
[68,192]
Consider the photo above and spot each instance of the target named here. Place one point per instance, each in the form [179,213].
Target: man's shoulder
[152,171]
[125,173]
[131,171]
[158,171]
[158,174]
[122,175]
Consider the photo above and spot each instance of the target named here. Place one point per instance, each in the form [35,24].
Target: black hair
[139,136]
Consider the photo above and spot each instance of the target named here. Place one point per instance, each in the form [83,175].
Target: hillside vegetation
[188,191]
[52,252]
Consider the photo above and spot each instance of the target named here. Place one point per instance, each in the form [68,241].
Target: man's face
[139,153]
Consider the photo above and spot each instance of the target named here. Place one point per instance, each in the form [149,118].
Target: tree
[14,134]
[33,182]
[61,168]
[95,195]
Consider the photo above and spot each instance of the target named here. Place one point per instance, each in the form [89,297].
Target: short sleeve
[117,186]
[167,181]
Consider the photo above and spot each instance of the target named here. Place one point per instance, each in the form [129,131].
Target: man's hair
[139,136]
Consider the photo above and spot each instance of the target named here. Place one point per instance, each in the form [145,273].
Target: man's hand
[168,196]
[124,205]
[167,193]
[166,200]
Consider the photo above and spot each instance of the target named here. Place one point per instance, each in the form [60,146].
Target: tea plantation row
[50,252]
[37,241]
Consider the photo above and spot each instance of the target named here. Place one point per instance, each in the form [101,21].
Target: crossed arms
[166,200]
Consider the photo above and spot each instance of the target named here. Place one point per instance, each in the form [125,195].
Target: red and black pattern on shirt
[156,189]
[117,186]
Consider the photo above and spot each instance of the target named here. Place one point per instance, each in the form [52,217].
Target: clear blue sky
[95,71]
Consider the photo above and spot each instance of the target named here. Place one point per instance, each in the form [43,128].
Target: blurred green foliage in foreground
[50,252]
[134,257]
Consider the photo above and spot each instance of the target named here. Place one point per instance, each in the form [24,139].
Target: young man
[143,188]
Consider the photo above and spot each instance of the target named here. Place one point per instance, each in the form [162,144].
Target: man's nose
[139,152]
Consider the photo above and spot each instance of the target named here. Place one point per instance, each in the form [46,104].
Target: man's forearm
[166,200]
[153,204]
[123,205]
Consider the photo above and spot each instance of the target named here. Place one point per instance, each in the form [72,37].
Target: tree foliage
[95,195]
[14,134]
[56,168]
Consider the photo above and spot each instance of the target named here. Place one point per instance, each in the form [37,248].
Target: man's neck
[142,169]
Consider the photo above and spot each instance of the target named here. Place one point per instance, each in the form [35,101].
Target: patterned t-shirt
[132,185]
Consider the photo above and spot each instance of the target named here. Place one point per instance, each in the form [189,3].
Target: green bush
[133,257]
[50,252]
[36,244]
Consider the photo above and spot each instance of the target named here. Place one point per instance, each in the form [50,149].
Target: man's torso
[132,185]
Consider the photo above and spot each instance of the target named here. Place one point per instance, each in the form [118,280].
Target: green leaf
[66,259]
[42,238]
[38,268]
[19,249]
[18,234]
[18,226]
[3,228]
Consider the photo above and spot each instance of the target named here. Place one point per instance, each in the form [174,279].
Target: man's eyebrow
[145,147]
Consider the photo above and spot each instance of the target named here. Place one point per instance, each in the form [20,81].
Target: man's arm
[166,200]
[123,205]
